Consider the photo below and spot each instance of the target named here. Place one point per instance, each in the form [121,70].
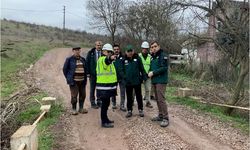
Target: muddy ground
[188,129]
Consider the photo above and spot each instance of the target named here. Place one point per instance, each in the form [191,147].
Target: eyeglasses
[130,50]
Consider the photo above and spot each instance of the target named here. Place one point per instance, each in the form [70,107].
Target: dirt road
[188,128]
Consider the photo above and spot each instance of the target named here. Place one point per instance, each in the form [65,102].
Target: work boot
[111,121]
[122,108]
[148,104]
[164,123]
[107,125]
[157,118]
[93,105]
[83,111]
[99,103]
[141,114]
[129,114]
[74,112]
[114,106]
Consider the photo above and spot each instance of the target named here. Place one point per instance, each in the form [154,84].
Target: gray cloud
[48,12]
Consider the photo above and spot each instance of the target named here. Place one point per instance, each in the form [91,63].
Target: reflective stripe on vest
[105,88]
[146,63]
[105,73]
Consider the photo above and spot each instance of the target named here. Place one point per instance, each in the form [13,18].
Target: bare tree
[232,38]
[151,20]
[106,14]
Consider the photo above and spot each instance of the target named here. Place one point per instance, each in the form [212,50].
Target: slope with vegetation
[22,44]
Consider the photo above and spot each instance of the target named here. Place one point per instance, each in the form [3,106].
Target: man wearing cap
[158,73]
[91,59]
[106,83]
[74,70]
[134,75]
[146,58]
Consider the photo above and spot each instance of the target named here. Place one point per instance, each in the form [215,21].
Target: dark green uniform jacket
[118,66]
[91,62]
[133,70]
[159,66]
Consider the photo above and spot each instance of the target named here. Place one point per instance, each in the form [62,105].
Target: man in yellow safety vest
[106,82]
[146,58]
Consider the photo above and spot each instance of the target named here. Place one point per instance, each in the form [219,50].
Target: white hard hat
[107,47]
[144,45]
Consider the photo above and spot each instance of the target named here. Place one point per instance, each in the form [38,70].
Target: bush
[181,68]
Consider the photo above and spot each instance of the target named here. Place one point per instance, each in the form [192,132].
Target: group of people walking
[106,67]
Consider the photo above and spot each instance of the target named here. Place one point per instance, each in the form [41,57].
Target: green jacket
[133,70]
[159,66]
[91,63]
[118,66]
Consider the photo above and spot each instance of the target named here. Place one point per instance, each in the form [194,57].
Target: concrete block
[45,108]
[196,98]
[185,92]
[48,100]
[27,135]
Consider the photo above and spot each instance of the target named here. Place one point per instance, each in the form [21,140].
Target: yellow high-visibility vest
[105,74]
[146,63]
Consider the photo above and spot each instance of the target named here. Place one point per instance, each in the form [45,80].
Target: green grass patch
[19,58]
[187,79]
[30,114]
[45,139]
[237,120]
[32,110]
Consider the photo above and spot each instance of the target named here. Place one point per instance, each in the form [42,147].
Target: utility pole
[63,24]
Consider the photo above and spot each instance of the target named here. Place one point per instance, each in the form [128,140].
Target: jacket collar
[158,53]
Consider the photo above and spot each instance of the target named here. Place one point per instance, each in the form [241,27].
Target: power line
[30,10]
[75,15]
[63,22]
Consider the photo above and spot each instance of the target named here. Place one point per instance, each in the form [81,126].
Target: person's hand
[150,74]
[113,57]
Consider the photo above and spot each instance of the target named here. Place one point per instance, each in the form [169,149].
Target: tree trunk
[244,69]
[113,38]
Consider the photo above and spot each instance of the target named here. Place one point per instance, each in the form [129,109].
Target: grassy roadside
[21,55]
[45,138]
[237,120]
[18,58]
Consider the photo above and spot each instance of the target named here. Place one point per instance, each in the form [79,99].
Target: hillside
[26,31]
[24,43]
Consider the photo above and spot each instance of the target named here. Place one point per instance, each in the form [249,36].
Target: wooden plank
[22,146]
[217,104]
[39,118]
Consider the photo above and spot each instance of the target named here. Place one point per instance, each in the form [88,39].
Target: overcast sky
[48,12]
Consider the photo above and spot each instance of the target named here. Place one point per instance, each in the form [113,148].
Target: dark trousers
[92,81]
[104,109]
[75,90]
[130,98]
[122,94]
[160,90]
